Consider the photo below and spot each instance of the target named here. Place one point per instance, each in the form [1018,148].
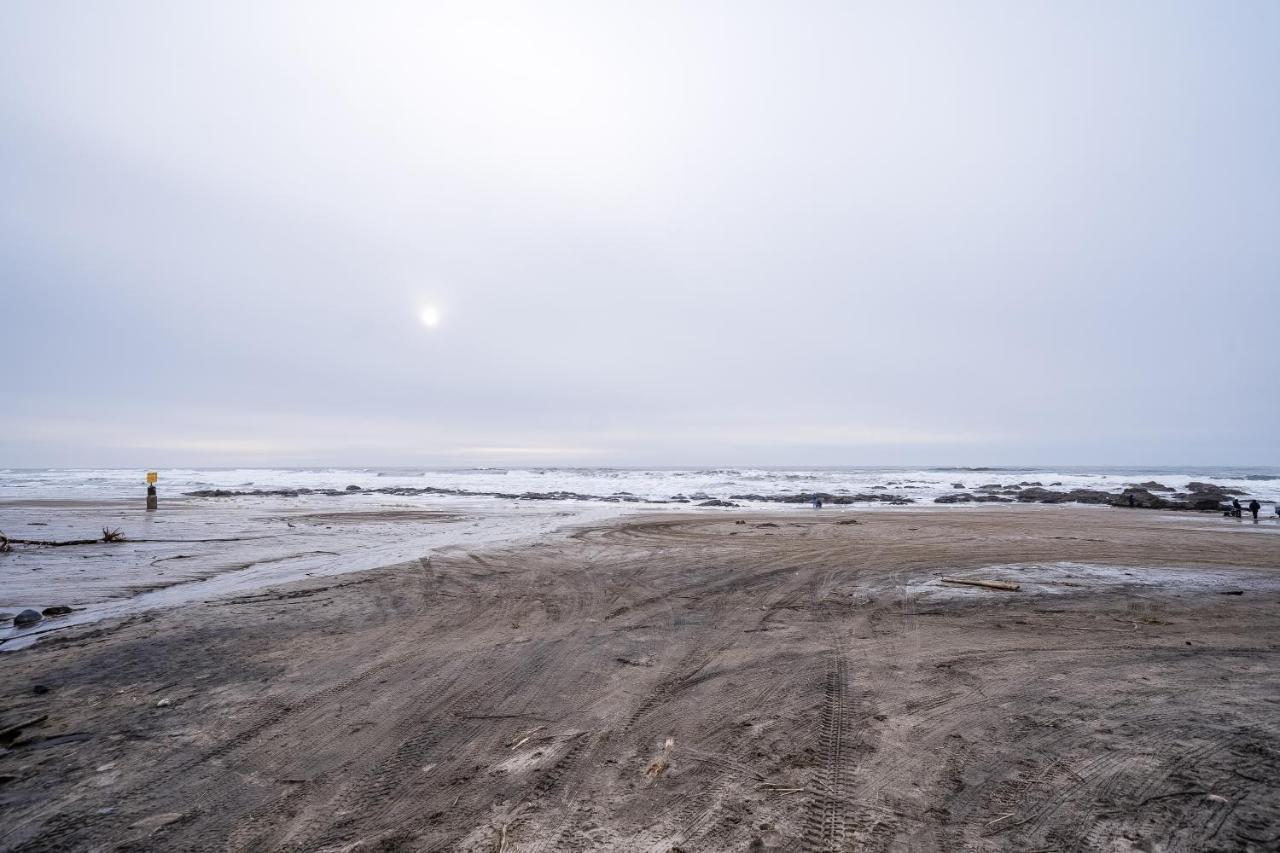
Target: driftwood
[9,733]
[108,535]
[1004,585]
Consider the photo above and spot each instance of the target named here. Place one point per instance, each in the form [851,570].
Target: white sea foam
[657,484]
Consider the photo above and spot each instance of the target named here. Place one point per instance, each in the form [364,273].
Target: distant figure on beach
[1236,510]
[817,501]
[1254,506]
[1132,501]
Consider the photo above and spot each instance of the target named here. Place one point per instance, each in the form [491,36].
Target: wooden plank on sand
[1004,585]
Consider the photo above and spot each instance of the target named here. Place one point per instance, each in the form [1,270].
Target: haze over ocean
[319,234]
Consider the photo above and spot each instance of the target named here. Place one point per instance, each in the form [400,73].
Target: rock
[1143,498]
[164,703]
[808,497]
[966,497]
[716,502]
[1048,496]
[957,485]
[1150,486]
[354,489]
[57,610]
[27,618]
[1211,488]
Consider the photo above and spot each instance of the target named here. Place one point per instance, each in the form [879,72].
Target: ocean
[638,485]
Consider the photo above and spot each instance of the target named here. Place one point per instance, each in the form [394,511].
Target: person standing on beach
[1236,509]
[1254,506]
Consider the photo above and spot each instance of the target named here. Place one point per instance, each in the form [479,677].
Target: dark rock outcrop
[27,618]
[966,497]
[1141,497]
[1211,488]
[1036,494]
[1150,486]
[808,498]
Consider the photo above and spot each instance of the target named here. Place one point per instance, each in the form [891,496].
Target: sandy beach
[699,681]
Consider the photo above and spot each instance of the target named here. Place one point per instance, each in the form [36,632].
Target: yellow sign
[152,476]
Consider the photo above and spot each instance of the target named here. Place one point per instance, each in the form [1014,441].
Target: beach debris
[1232,592]
[660,764]
[1001,585]
[10,733]
[521,740]
[153,823]
[27,618]
[847,521]
[57,610]
[164,703]
[108,535]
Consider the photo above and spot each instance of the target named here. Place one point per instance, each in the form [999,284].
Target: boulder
[1088,496]
[1036,494]
[961,498]
[1142,497]
[716,502]
[1150,486]
[56,610]
[354,488]
[1211,488]
[1039,495]
[27,618]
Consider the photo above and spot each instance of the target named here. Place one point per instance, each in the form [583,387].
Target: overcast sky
[654,233]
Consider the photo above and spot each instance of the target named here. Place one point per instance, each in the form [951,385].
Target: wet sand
[686,682]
